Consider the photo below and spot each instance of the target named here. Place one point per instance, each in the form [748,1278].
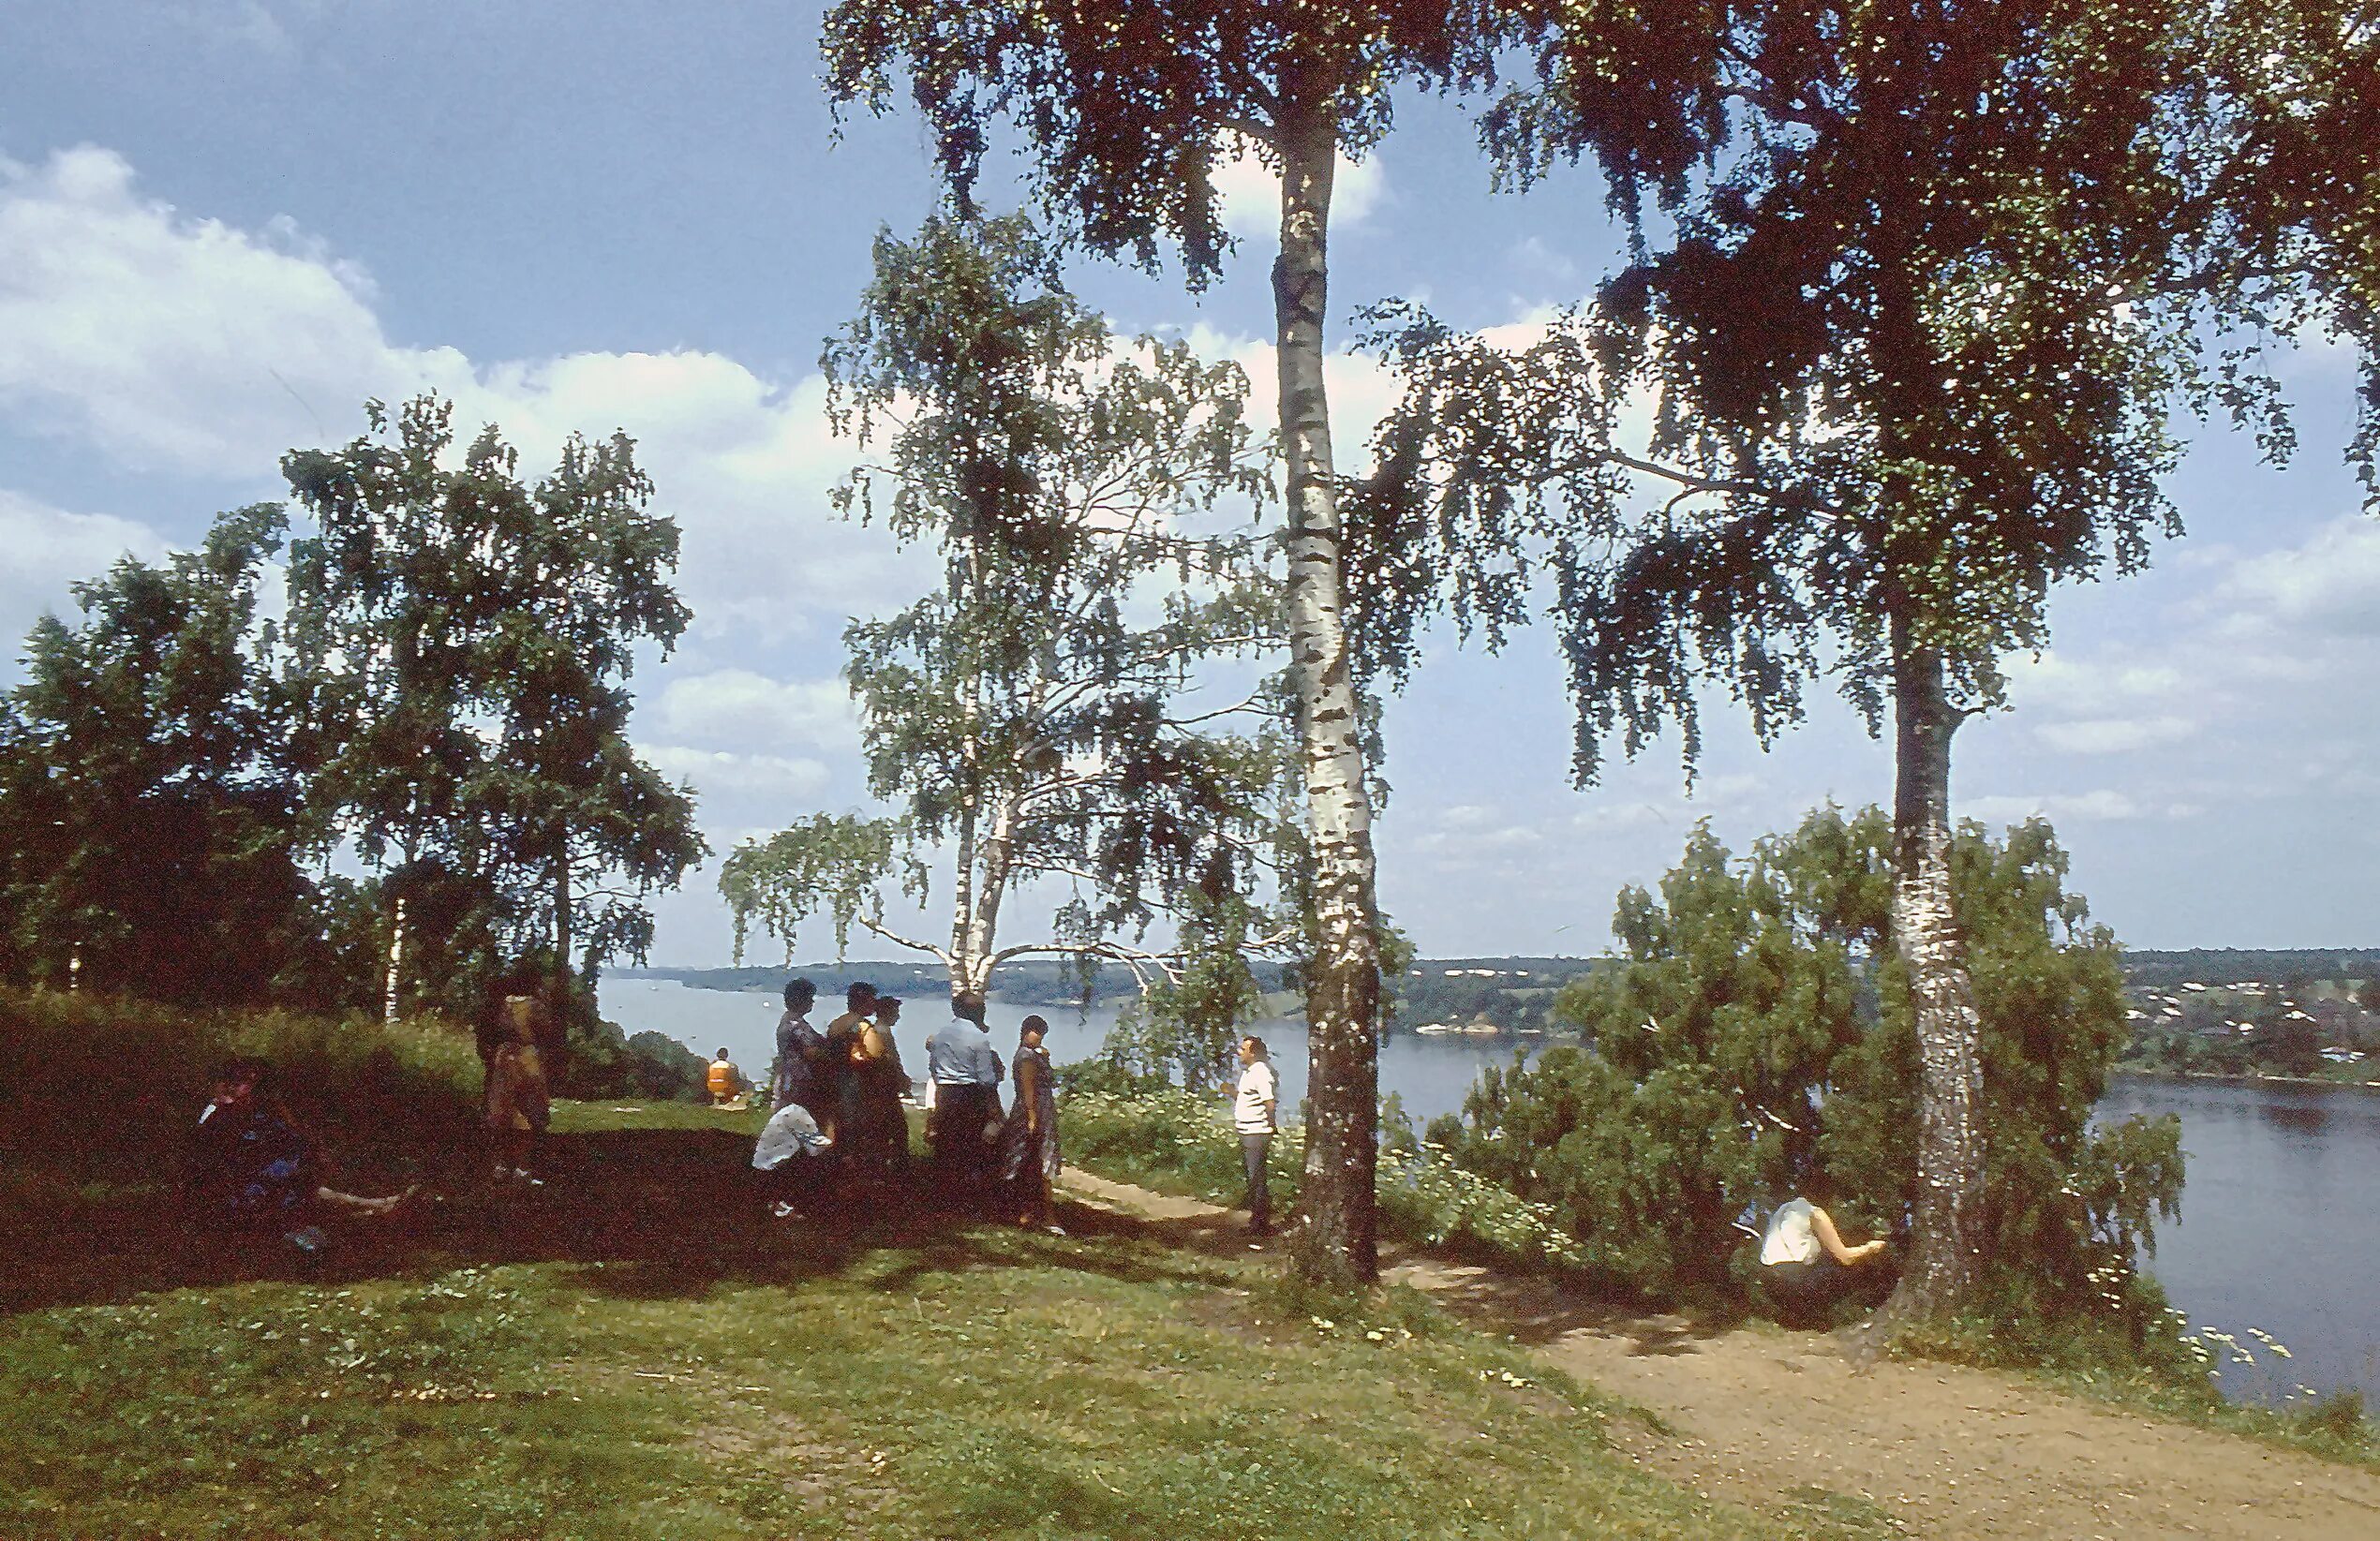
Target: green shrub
[1755,1041]
[105,1089]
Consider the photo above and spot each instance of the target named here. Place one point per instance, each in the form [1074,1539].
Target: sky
[225,224]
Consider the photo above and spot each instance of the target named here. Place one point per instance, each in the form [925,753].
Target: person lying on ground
[252,1165]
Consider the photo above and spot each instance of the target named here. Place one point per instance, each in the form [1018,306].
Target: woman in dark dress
[1028,1158]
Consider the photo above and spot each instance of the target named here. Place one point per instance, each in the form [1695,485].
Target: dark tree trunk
[1941,1269]
[1343,990]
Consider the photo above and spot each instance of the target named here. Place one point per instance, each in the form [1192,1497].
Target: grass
[639,1355]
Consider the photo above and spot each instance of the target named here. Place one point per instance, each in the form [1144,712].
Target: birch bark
[1925,935]
[1344,985]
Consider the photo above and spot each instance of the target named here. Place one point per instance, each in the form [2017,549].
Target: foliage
[148,809]
[1912,351]
[1756,1043]
[1191,1021]
[1027,714]
[106,1089]
[1127,112]
[461,641]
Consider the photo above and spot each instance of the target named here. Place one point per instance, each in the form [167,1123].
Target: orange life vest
[722,1078]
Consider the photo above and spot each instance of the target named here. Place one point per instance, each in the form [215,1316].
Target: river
[2277,1230]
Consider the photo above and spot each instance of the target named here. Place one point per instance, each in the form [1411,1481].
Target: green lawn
[637,1352]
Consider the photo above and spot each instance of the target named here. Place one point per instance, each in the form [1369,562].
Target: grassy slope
[637,1355]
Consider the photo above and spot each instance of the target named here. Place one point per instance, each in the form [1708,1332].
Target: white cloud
[717,773]
[741,709]
[2329,586]
[2115,734]
[48,548]
[1249,192]
[181,344]
[2105,804]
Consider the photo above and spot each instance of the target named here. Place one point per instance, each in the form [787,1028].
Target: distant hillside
[2149,969]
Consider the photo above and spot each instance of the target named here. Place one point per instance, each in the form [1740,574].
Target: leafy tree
[1912,356]
[147,815]
[460,643]
[1126,109]
[1759,1032]
[1023,713]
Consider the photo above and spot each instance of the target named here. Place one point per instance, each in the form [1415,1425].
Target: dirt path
[1761,1416]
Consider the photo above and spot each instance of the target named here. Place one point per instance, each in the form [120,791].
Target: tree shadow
[667,1213]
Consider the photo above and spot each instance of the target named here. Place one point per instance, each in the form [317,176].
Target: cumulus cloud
[2329,586]
[2115,734]
[742,710]
[49,548]
[2105,804]
[1249,192]
[728,776]
[180,344]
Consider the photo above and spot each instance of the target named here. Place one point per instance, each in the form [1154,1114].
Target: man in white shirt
[1255,1099]
[966,1071]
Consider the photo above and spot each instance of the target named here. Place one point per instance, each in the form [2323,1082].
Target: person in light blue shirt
[966,1071]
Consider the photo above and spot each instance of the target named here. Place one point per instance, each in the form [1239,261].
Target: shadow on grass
[669,1213]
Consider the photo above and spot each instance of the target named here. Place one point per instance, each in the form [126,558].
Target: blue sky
[225,223]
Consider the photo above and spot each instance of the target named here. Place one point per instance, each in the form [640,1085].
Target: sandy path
[1756,1416]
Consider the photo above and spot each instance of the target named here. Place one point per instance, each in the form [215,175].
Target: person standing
[1255,1102]
[875,1062]
[800,1051]
[966,1074]
[1028,1158]
[513,1032]
[839,1089]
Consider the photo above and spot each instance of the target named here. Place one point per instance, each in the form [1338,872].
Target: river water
[2278,1233]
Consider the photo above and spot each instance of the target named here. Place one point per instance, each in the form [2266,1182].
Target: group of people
[838,1106]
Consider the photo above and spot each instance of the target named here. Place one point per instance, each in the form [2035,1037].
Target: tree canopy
[1089,498]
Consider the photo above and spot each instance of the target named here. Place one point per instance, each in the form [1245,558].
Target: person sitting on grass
[1804,1263]
[251,1164]
[724,1082]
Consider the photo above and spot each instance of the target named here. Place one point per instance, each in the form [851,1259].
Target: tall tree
[460,643]
[148,816]
[1083,495]
[1127,106]
[1910,356]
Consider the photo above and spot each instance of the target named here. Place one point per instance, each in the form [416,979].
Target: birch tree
[1041,715]
[1908,362]
[1127,110]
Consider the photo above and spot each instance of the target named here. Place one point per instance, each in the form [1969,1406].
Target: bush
[104,1091]
[1756,1040]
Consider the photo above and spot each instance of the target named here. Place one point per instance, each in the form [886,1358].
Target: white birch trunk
[396,962]
[1941,1269]
[1344,987]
